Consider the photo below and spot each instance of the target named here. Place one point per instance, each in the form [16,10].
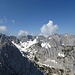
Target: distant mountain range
[37,55]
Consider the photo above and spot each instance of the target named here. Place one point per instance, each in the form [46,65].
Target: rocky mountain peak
[12,62]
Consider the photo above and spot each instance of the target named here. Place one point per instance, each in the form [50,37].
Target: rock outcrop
[12,62]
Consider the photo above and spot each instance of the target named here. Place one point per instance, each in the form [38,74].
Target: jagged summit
[11,60]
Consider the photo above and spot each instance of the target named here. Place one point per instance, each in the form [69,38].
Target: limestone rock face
[53,53]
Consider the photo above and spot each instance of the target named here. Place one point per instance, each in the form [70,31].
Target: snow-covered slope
[23,47]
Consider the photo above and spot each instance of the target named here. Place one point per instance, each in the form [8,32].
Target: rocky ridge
[12,62]
[56,51]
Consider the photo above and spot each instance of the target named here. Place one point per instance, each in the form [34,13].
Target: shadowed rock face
[12,62]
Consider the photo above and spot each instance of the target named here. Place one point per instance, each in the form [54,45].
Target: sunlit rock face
[55,51]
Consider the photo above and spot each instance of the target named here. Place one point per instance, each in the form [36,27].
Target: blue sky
[31,15]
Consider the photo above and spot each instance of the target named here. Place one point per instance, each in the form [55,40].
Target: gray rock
[15,39]
[26,38]
[12,62]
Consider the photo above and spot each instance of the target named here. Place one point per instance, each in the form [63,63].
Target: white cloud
[13,21]
[3,29]
[22,32]
[48,29]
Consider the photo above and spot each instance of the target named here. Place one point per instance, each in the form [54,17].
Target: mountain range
[37,55]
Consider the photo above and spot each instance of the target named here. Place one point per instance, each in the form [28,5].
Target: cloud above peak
[49,29]
[3,29]
[22,33]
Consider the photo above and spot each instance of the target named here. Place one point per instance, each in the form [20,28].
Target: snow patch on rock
[23,48]
[61,55]
[46,45]
[50,37]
